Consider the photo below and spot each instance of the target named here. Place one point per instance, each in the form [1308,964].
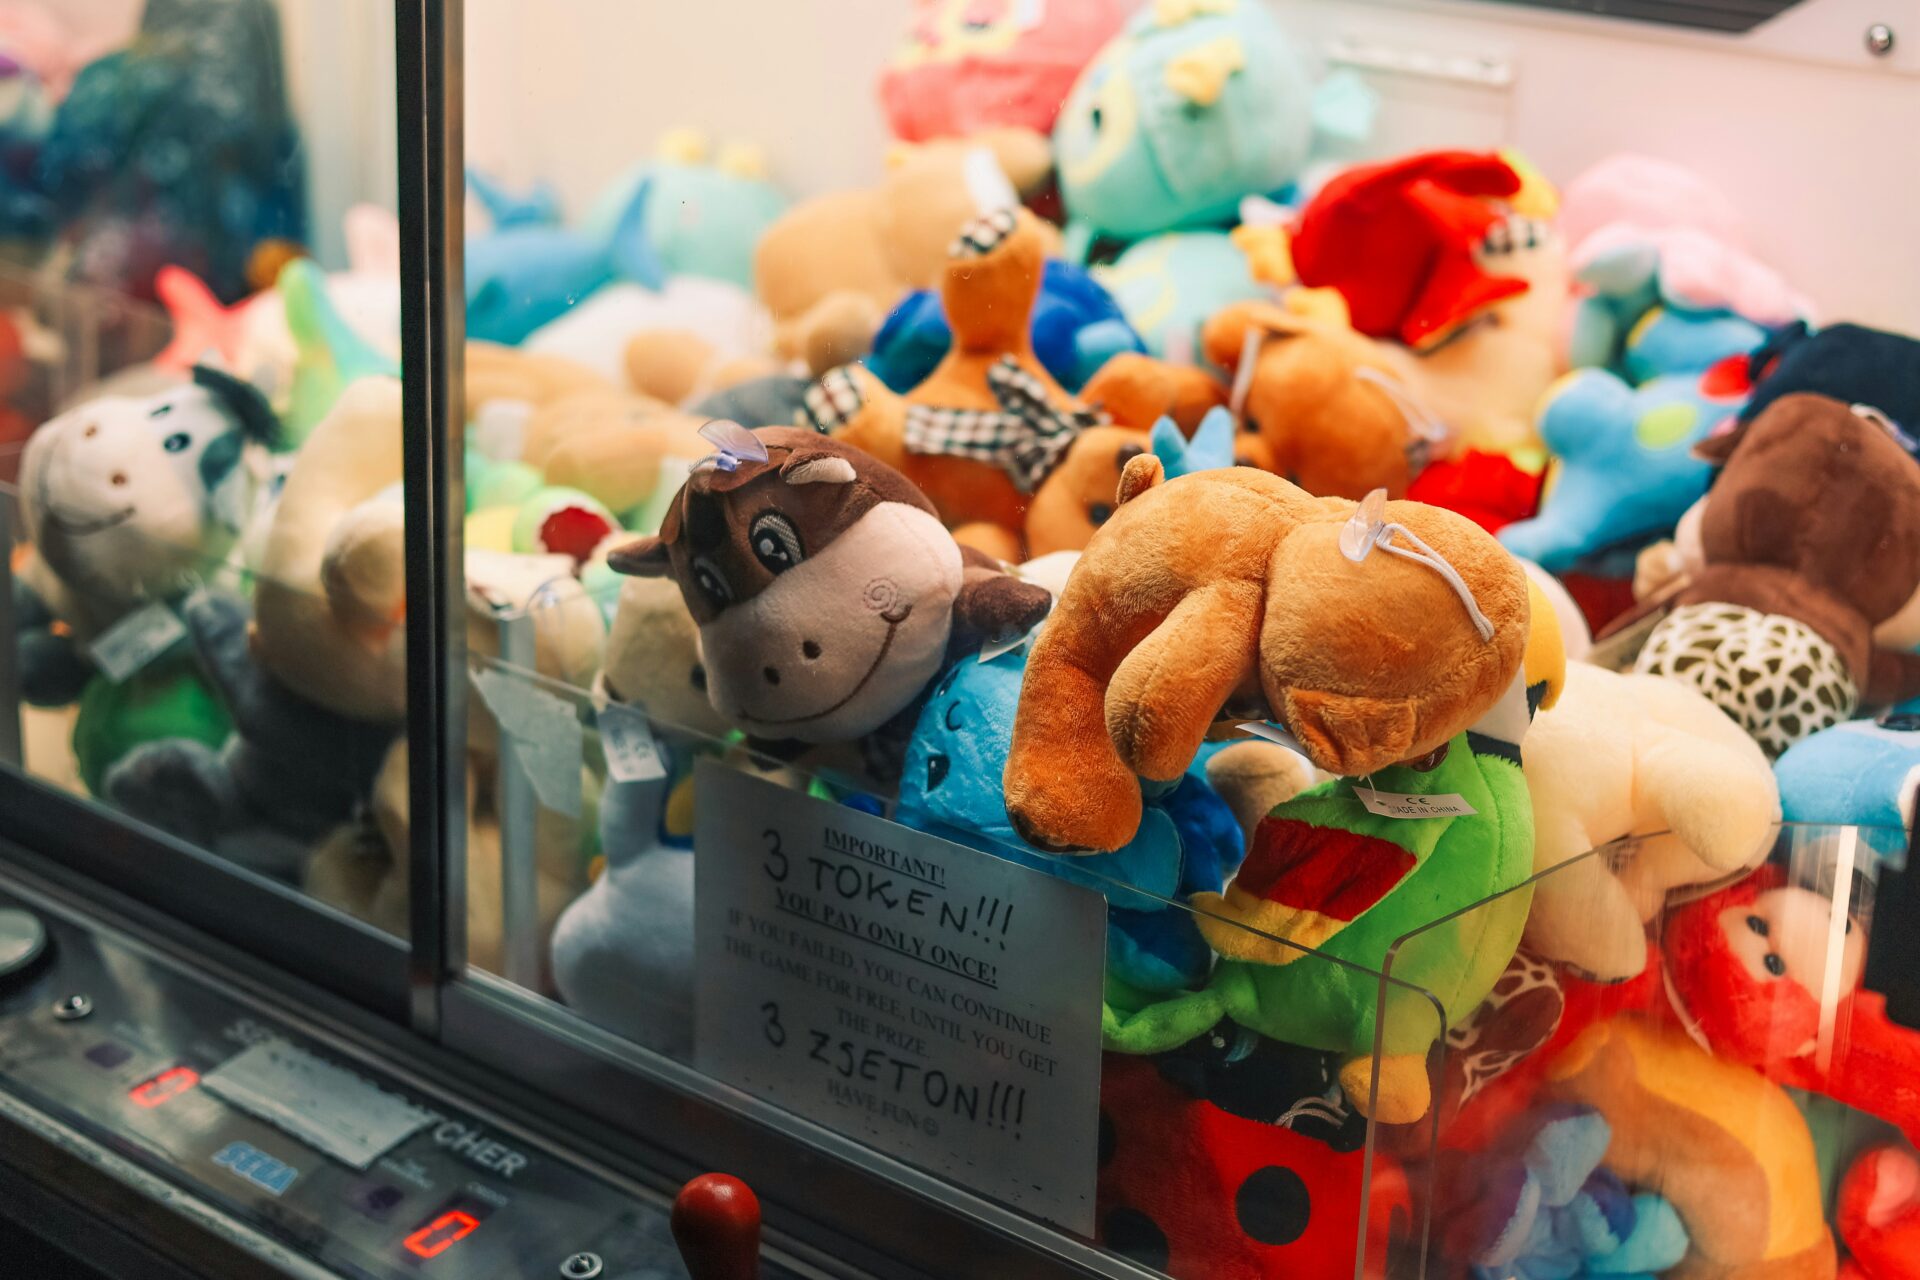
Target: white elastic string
[1243,372]
[1423,424]
[1374,531]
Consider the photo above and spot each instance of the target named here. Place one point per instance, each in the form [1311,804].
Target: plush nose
[772,674]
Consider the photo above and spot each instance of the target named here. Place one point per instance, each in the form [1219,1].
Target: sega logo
[256,1166]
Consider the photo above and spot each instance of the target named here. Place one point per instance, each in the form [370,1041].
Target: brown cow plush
[827,592]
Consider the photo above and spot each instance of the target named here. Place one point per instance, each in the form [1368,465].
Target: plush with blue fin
[529,270]
[1211,445]
[1624,470]
[1630,323]
[1076,328]
[703,217]
[1187,842]
[1552,1211]
[1859,773]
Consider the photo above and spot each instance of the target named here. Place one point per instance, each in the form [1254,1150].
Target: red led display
[441,1234]
[165,1087]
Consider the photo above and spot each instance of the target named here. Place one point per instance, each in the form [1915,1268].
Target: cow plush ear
[642,558]
[1717,446]
[244,401]
[809,466]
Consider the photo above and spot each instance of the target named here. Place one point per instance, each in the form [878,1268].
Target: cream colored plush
[831,267]
[329,609]
[1628,755]
[362,868]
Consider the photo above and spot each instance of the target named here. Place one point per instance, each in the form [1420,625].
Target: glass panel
[1723,1100]
[1067,233]
[1215,1147]
[200,425]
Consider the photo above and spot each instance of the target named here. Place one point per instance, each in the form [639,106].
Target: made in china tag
[135,641]
[633,754]
[1398,804]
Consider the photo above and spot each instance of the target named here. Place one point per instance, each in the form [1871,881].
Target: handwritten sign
[929,1000]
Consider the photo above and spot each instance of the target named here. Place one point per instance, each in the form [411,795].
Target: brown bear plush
[1228,590]
[827,593]
[1809,539]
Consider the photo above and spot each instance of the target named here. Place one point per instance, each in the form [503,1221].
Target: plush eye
[160,411]
[776,544]
[1099,513]
[1096,119]
[1758,924]
[952,717]
[698,678]
[177,442]
[1775,965]
[712,583]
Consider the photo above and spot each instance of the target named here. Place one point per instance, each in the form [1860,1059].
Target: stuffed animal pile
[1466,629]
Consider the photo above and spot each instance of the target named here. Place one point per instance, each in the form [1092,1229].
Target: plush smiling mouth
[80,528]
[893,621]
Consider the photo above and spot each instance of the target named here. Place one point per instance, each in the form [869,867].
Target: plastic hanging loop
[1369,528]
[1423,424]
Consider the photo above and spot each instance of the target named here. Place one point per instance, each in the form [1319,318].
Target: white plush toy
[1631,755]
[129,500]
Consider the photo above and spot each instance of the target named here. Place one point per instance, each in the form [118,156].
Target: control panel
[335,1159]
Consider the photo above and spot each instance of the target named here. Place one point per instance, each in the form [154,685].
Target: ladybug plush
[1236,1157]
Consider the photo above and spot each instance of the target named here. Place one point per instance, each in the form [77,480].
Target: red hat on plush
[1397,241]
[1747,966]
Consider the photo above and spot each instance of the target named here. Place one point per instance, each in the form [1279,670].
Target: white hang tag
[1243,372]
[1272,733]
[989,652]
[1398,804]
[136,641]
[633,754]
[544,734]
[987,183]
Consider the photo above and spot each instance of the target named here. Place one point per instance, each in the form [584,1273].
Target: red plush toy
[1397,240]
[1747,967]
[1225,1167]
[1489,489]
[1879,1216]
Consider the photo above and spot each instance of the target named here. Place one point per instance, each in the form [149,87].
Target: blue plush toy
[1624,470]
[1861,773]
[1191,107]
[1170,285]
[529,269]
[1076,328]
[1629,324]
[703,219]
[1210,448]
[1557,1214]
[1188,840]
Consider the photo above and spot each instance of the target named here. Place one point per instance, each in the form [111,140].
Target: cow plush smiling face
[126,498]
[826,590]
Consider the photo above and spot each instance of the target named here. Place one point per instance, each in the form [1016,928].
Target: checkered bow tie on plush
[1024,437]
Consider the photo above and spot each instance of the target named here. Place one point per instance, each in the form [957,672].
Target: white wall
[1821,153]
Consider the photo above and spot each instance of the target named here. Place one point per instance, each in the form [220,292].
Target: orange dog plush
[987,425]
[1232,589]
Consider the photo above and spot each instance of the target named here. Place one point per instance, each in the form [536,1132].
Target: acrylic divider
[1689,1075]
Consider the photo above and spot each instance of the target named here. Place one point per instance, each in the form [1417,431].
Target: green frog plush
[1349,869]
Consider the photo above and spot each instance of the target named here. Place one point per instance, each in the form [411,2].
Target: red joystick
[716,1223]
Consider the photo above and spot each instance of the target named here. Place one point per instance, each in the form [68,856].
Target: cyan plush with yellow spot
[1194,105]
[1624,470]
